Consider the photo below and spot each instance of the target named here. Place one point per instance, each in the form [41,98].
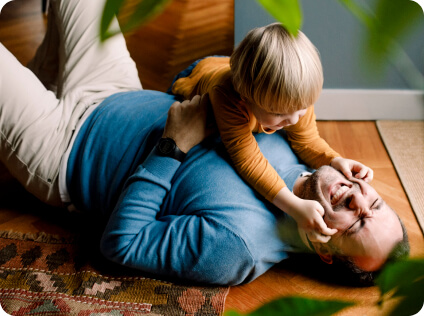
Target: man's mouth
[337,192]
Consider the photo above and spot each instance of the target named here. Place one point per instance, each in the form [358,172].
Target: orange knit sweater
[236,123]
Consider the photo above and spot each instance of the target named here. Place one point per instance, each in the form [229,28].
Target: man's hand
[351,168]
[186,122]
[307,213]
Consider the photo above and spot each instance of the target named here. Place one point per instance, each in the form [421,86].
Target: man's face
[368,228]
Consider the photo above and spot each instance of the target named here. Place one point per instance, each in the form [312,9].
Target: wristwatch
[168,148]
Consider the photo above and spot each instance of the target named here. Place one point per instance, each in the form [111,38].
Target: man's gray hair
[360,277]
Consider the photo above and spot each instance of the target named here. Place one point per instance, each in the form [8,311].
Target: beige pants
[39,108]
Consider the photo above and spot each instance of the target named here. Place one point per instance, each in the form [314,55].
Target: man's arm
[192,247]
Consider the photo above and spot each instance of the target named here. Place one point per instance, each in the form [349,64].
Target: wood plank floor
[21,30]
[360,141]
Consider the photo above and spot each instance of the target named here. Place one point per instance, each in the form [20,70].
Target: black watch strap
[167,147]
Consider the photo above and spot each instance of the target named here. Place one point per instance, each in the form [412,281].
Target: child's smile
[276,121]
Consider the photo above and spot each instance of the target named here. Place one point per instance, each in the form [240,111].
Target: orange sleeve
[306,142]
[206,74]
[235,125]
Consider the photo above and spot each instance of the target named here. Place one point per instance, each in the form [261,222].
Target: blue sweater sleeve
[190,246]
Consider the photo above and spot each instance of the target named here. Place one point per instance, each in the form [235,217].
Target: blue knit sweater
[196,220]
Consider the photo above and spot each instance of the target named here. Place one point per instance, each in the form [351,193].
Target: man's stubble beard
[311,189]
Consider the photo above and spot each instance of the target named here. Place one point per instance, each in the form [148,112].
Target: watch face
[166,146]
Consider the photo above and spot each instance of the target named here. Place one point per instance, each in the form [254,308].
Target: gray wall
[339,38]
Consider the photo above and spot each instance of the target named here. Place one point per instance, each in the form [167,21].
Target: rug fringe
[37,237]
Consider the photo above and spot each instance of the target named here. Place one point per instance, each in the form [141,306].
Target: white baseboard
[358,104]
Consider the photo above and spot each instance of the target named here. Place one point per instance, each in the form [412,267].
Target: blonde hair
[276,71]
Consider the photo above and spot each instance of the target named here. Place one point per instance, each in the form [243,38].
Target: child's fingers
[323,232]
[323,229]
[361,174]
[315,205]
[366,174]
[369,176]
[366,178]
[347,172]
[317,237]
[328,231]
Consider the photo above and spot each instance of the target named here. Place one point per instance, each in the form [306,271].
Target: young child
[270,83]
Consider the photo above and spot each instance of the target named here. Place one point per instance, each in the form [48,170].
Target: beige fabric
[36,124]
[404,141]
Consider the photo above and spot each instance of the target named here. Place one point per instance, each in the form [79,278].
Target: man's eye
[376,205]
[355,227]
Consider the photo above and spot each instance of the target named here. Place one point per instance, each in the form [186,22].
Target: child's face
[276,121]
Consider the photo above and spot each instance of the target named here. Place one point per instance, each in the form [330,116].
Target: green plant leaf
[412,299]
[232,313]
[144,10]
[358,12]
[400,274]
[110,10]
[287,12]
[390,21]
[393,19]
[298,306]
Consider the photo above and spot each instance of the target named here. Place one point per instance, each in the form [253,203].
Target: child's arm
[315,152]
[307,213]
[234,123]
[252,166]
[307,143]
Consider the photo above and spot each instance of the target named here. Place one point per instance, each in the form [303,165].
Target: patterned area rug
[43,274]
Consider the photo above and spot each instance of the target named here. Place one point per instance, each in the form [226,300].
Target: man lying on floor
[197,219]
[94,140]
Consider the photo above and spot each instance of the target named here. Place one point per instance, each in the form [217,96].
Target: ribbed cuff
[162,167]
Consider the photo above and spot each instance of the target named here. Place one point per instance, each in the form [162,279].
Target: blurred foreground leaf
[287,12]
[111,8]
[387,24]
[297,306]
[412,299]
[140,12]
[393,19]
[406,278]
[399,274]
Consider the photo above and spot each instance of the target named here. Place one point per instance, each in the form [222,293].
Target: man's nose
[358,203]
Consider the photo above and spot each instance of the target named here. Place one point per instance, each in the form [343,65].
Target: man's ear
[323,252]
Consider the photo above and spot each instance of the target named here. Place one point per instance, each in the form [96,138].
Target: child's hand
[351,168]
[308,215]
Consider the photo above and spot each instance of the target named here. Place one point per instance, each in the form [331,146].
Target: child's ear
[323,252]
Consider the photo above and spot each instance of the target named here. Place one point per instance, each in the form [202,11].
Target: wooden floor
[21,30]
